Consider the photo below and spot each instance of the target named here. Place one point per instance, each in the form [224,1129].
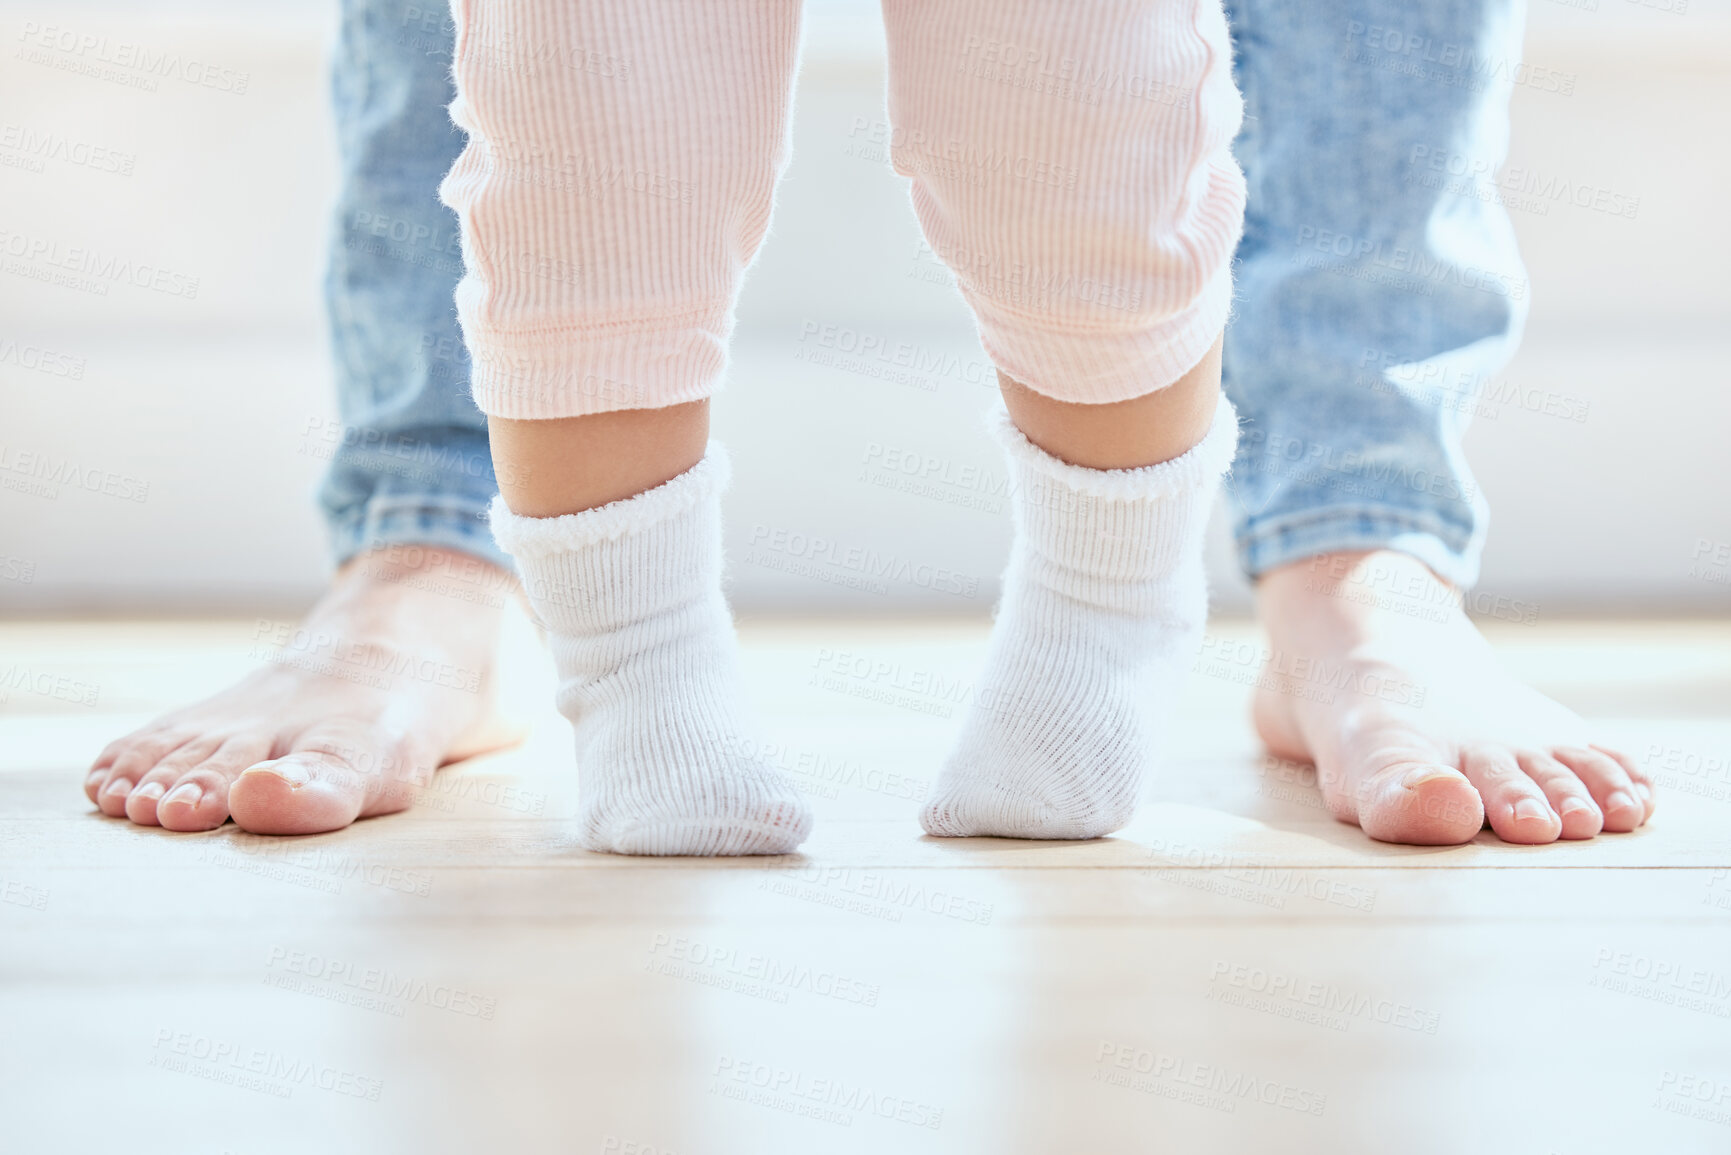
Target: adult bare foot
[1417,732]
[389,677]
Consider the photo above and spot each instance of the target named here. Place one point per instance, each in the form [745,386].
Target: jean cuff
[1452,553]
[455,522]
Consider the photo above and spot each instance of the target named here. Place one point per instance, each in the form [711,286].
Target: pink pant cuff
[1099,367]
[582,371]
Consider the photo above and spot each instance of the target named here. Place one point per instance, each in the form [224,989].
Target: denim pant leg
[1378,280]
[409,462]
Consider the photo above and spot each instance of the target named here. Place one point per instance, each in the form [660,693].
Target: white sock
[1102,612]
[630,595]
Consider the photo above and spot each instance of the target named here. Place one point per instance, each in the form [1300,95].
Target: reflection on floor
[1236,972]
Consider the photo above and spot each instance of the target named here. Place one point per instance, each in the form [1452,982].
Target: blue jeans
[1378,283]
[410,463]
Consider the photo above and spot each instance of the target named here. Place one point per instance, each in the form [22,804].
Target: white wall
[206,399]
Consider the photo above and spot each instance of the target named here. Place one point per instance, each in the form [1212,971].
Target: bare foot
[389,677]
[1417,732]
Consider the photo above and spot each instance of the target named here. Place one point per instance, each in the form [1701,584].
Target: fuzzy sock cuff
[1201,465]
[536,537]
[655,556]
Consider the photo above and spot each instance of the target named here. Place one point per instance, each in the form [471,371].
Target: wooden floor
[1234,973]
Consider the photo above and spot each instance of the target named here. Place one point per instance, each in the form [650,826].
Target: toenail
[94,777]
[119,788]
[291,772]
[1621,800]
[1644,791]
[1416,778]
[187,793]
[148,790]
[1531,809]
[1574,806]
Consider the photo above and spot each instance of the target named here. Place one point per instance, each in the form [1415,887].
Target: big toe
[301,793]
[1424,804]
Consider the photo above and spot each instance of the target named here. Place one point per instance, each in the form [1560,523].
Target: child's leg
[1071,163]
[617,182]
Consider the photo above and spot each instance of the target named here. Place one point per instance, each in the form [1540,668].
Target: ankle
[1343,603]
[400,561]
[1143,431]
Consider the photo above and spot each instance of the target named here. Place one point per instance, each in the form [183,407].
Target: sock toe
[983,810]
[709,837]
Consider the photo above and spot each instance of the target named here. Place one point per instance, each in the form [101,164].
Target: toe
[1568,796]
[1515,806]
[146,796]
[1642,783]
[112,800]
[141,803]
[94,780]
[1420,804]
[101,770]
[124,765]
[1609,784]
[198,800]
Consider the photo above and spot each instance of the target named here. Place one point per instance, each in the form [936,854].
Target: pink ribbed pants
[1070,161]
